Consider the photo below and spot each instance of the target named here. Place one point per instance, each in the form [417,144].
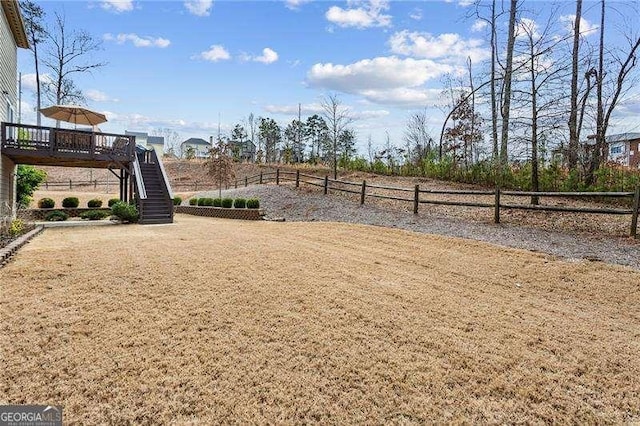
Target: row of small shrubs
[121,210]
[73,202]
[227,203]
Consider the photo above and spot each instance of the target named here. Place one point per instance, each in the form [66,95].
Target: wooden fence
[418,196]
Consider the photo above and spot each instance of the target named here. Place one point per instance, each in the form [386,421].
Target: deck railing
[39,140]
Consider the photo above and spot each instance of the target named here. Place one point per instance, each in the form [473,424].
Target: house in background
[150,142]
[623,149]
[195,148]
[157,143]
[12,36]
[243,151]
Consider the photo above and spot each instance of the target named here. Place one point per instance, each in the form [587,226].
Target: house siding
[634,155]
[8,111]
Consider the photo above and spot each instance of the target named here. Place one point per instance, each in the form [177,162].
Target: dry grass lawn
[214,321]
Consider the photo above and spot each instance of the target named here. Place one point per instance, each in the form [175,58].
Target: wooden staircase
[157,206]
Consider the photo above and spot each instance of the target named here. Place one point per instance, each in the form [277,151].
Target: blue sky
[183,64]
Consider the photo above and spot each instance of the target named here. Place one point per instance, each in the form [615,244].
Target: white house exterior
[12,36]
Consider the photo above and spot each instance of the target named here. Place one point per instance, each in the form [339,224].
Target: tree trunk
[494,109]
[535,185]
[573,113]
[507,86]
[598,152]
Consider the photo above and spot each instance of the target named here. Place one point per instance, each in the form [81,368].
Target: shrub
[27,181]
[94,204]
[16,228]
[193,201]
[253,203]
[208,202]
[177,201]
[125,212]
[70,202]
[239,203]
[217,202]
[201,201]
[227,203]
[95,214]
[56,216]
[46,203]
[112,201]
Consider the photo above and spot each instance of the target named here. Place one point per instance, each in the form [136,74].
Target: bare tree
[66,57]
[219,164]
[418,137]
[171,140]
[33,16]
[605,105]
[338,118]
[506,96]
[573,111]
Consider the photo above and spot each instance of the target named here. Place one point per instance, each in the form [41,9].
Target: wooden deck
[37,145]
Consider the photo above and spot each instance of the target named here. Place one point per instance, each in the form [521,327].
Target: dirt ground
[214,321]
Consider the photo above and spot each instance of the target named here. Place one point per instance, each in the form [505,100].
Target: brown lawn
[213,321]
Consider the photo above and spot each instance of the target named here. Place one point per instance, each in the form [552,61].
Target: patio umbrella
[75,114]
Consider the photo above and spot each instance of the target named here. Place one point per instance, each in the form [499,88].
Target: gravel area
[311,205]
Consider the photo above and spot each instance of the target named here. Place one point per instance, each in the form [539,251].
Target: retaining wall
[242,214]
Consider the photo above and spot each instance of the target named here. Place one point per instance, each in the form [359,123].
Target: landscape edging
[241,214]
[9,250]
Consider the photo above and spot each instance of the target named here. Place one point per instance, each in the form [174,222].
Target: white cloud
[378,73]
[382,80]
[215,53]
[526,27]
[295,4]
[29,81]
[416,14]
[199,7]
[312,108]
[586,27]
[138,41]
[367,14]
[268,56]
[117,6]
[98,96]
[449,47]
[479,25]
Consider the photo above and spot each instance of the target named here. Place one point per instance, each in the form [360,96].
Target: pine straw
[211,321]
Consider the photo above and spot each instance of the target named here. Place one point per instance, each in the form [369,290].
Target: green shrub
[177,201]
[56,216]
[208,202]
[112,201]
[193,201]
[239,203]
[125,212]
[253,203]
[227,203]
[70,202]
[95,214]
[28,178]
[217,202]
[95,203]
[201,201]
[16,228]
[46,203]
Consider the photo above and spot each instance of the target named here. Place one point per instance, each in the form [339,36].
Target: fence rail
[420,196]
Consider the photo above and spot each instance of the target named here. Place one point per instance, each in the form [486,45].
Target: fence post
[362,192]
[46,184]
[261,178]
[326,184]
[277,176]
[235,184]
[297,178]
[95,183]
[634,215]
[70,184]
[416,199]
[196,185]
[246,181]
[496,209]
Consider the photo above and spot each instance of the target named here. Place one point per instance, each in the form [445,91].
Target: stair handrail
[142,192]
[164,174]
